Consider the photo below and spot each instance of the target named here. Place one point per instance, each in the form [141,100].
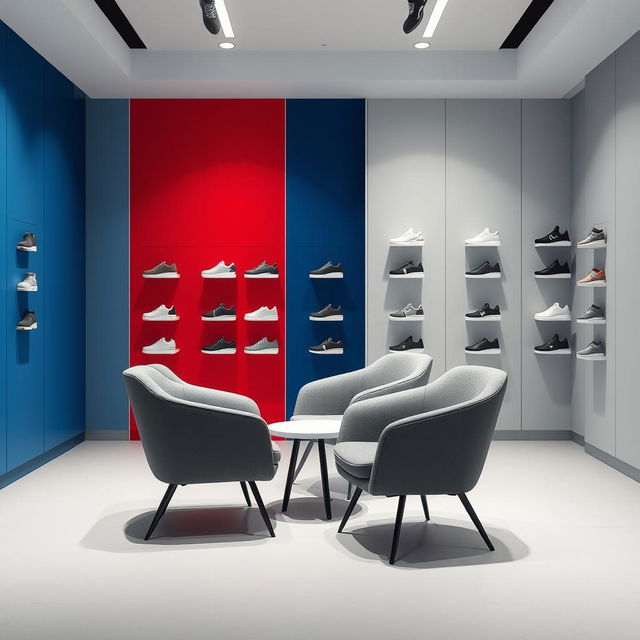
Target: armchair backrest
[443,448]
[197,435]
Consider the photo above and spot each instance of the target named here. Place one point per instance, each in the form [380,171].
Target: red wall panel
[208,184]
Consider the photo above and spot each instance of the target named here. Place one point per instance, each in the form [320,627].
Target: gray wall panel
[483,189]
[626,250]
[405,188]
[546,201]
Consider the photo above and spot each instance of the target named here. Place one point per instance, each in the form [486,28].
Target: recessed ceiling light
[225,21]
[434,19]
[226,45]
[421,45]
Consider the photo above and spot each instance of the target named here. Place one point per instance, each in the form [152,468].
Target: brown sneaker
[162,270]
[595,275]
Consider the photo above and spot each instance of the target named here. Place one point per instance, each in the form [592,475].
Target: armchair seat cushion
[356,458]
[276,452]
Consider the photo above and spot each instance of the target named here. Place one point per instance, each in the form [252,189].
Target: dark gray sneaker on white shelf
[407,345]
[328,347]
[593,351]
[593,315]
[220,347]
[210,16]
[220,314]
[328,270]
[28,243]
[28,322]
[263,270]
[408,270]
[328,314]
[408,313]
[555,346]
[485,347]
[162,270]
[595,239]
[484,314]
[485,270]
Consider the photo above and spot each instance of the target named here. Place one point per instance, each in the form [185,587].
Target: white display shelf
[170,352]
[486,352]
[409,319]
[555,276]
[271,319]
[326,276]
[27,290]
[162,319]
[594,285]
[484,276]
[328,319]
[562,243]
[407,351]
[328,352]
[406,244]
[219,276]
[220,319]
[593,245]
[484,319]
[593,321]
[598,358]
[263,352]
[262,276]
[489,243]
[557,352]
[162,276]
[220,352]
[407,276]
[556,319]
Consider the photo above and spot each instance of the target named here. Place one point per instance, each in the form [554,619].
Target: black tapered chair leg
[263,510]
[324,475]
[352,505]
[396,529]
[290,474]
[245,491]
[476,520]
[425,508]
[164,503]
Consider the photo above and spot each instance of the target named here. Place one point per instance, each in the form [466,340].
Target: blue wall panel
[25,212]
[63,276]
[107,340]
[3,250]
[325,221]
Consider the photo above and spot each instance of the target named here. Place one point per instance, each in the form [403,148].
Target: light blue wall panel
[3,250]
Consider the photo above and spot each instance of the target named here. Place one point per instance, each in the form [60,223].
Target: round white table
[313,431]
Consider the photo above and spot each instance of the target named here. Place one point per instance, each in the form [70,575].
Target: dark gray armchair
[194,435]
[427,441]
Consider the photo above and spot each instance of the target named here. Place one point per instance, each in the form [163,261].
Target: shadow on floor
[311,510]
[439,543]
[224,526]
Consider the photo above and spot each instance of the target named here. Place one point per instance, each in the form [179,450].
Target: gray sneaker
[408,313]
[262,347]
[594,314]
[596,238]
[28,322]
[263,270]
[594,351]
[162,270]
[220,313]
[328,314]
[220,347]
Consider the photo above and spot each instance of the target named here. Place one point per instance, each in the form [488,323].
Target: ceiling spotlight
[421,45]
[226,45]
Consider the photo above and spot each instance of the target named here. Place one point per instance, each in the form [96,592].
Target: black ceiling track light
[120,23]
[525,25]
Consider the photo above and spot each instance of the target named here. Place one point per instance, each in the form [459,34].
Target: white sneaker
[409,238]
[484,239]
[555,312]
[161,314]
[29,283]
[262,314]
[221,270]
[162,346]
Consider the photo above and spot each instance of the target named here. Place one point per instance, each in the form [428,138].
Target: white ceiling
[307,25]
[276,54]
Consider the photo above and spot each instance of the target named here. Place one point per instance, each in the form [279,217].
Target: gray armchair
[194,435]
[427,441]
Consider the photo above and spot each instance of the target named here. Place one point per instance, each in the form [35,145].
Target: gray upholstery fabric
[198,435]
[356,457]
[391,373]
[429,441]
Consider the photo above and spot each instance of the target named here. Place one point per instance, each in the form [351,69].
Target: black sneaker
[329,270]
[408,270]
[555,345]
[416,13]
[554,270]
[593,314]
[485,270]
[210,16]
[28,322]
[28,243]
[484,313]
[220,313]
[263,270]
[484,346]
[328,347]
[555,237]
[407,345]
[220,347]
[327,314]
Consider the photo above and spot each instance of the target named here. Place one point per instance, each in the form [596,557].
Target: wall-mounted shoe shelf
[407,276]
[562,243]
[407,244]
[598,358]
[556,319]
[556,276]
[593,285]
[593,245]
[408,319]
[485,319]
[557,352]
[329,319]
[593,321]
[484,276]
[486,352]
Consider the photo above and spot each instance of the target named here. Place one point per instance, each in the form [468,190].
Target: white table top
[306,429]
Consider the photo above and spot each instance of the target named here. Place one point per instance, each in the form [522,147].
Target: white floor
[73,564]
